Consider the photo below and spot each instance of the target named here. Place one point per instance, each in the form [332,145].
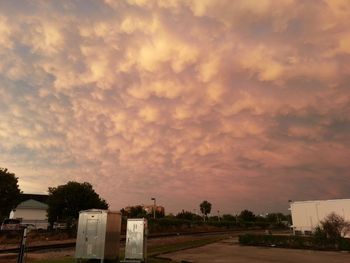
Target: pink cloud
[243,103]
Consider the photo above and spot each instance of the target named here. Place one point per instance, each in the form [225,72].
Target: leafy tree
[137,212]
[205,208]
[65,201]
[9,192]
[171,215]
[247,216]
[289,219]
[335,226]
[228,217]
[187,215]
[160,214]
[276,217]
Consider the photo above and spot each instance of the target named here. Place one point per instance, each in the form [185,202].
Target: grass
[162,249]
[153,252]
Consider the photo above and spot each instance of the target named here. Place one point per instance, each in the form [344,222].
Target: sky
[244,103]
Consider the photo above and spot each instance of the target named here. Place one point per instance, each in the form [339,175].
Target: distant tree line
[66,201]
[245,218]
[138,211]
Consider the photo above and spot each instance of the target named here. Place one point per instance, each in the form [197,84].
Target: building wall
[34,217]
[306,216]
[30,214]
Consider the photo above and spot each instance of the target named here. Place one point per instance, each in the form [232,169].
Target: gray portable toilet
[98,235]
[136,240]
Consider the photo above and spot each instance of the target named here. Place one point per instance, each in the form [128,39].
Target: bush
[223,223]
[334,227]
[331,231]
[278,241]
[293,242]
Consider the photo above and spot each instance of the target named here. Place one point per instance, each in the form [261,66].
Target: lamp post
[154,207]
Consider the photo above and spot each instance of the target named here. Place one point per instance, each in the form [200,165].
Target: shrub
[334,227]
[273,240]
[293,242]
[330,232]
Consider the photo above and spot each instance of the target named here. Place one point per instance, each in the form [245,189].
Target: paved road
[229,251]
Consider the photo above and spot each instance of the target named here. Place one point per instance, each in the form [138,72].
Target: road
[229,251]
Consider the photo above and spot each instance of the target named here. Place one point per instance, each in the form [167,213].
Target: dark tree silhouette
[9,192]
[65,201]
[205,208]
[247,216]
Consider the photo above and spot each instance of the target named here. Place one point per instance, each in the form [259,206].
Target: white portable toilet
[136,240]
[98,235]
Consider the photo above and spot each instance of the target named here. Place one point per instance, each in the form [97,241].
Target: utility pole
[22,246]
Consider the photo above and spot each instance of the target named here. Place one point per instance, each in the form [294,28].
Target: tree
[276,217]
[65,201]
[335,226]
[247,216]
[9,192]
[137,212]
[187,215]
[160,214]
[205,208]
[228,217]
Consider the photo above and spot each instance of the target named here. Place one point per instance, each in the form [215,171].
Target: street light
[154,208]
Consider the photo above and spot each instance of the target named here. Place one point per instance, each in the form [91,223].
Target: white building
[32,213]
[307,215]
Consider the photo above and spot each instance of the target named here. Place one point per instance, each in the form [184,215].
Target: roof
[32,204]
[38,197]
[313,201]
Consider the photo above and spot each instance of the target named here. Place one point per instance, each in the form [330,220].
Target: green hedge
[301,242]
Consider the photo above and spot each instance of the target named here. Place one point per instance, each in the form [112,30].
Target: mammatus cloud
[243,103]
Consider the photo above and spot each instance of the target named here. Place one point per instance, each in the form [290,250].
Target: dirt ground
[229,251]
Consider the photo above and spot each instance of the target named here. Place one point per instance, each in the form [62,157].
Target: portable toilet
[98,235]
[136,240]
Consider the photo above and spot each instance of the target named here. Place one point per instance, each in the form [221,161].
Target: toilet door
[91,238]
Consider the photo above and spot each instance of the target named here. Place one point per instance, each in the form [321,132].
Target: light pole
[154,207]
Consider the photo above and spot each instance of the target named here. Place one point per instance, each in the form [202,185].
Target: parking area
[229,251]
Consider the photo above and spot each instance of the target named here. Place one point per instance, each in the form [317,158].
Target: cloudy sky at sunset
[244,103]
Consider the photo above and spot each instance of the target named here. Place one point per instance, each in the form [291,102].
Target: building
[307,215]
[149,209]
[31,213]
[38,197]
